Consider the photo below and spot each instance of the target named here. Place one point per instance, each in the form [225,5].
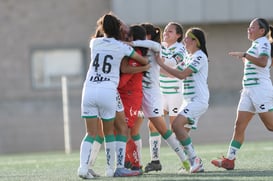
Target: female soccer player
[99,95]
[257,92]
[152,105]
[194,73]
[173,52]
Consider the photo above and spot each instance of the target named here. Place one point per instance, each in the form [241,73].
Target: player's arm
[126,68]
[175,72]
[147,44]
[260,61]
[142,60]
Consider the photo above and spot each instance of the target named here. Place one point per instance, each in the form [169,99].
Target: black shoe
[152,166]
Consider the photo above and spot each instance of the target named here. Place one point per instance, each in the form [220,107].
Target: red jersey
[130,90]
[131,82]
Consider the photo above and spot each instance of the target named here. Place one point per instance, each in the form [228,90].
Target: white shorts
[193,110]
[256,100]
[172,103]
[152,103]
[99,102]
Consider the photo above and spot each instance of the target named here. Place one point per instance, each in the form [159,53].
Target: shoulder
[200,55]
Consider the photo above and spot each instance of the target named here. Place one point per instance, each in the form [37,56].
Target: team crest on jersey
[178,58]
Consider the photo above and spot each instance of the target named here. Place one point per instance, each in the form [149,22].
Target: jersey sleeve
[128,50]
[197,62]
[147,44]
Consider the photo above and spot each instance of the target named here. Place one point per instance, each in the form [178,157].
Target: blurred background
[41,41]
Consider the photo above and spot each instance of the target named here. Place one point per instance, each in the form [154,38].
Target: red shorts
[132,102]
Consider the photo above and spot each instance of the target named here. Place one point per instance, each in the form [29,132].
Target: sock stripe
[121,138]
[110,138]
[167,134]
[136,137]
[89,139]
[236,144]
[154,134]
[99,139]
[186,141]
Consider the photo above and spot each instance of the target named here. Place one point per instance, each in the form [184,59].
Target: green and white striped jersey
[255,75]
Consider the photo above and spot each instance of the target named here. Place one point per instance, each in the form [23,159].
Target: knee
[175,126]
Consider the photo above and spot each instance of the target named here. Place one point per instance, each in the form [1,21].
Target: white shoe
[196,165]
[109,172]
[84,173]
[90,170]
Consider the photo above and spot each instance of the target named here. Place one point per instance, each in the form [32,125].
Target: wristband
[244,55]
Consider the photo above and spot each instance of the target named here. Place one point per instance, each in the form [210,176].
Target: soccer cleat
[84,173]
[196,165]
[224,163]
[90,170]
[185,167]
[152,166]
[124,172]
[201,169]
[138,169]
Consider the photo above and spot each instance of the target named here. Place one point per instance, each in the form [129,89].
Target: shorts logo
[175,110]
[186,111]
[155,111]
[262,107]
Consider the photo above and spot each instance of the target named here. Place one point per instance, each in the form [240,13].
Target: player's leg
[86,147]
[154,144]
[96,148]
[245,113]
[135,135]
[170,138]
[121,139]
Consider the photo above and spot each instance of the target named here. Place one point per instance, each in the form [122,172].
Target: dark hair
[200,35]
[138,33]
[271,36]
[179,30]
[152,30]
[263,24]
[111,26]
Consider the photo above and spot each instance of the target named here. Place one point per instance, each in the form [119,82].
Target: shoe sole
[217,164]
[197,170]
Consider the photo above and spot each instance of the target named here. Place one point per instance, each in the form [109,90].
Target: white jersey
[173,55]
[152,105]
[100,97]
[150,77]
[195,86]
[106,56]
[255,75]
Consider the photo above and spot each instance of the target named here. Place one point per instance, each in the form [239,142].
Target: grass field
[254,163]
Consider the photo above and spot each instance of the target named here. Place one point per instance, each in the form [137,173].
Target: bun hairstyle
[152,30]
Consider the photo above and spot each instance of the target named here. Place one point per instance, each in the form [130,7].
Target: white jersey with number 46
[106,56]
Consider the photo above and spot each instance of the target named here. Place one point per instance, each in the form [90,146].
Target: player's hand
[237,54]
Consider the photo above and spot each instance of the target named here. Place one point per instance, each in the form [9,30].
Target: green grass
[254,163]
